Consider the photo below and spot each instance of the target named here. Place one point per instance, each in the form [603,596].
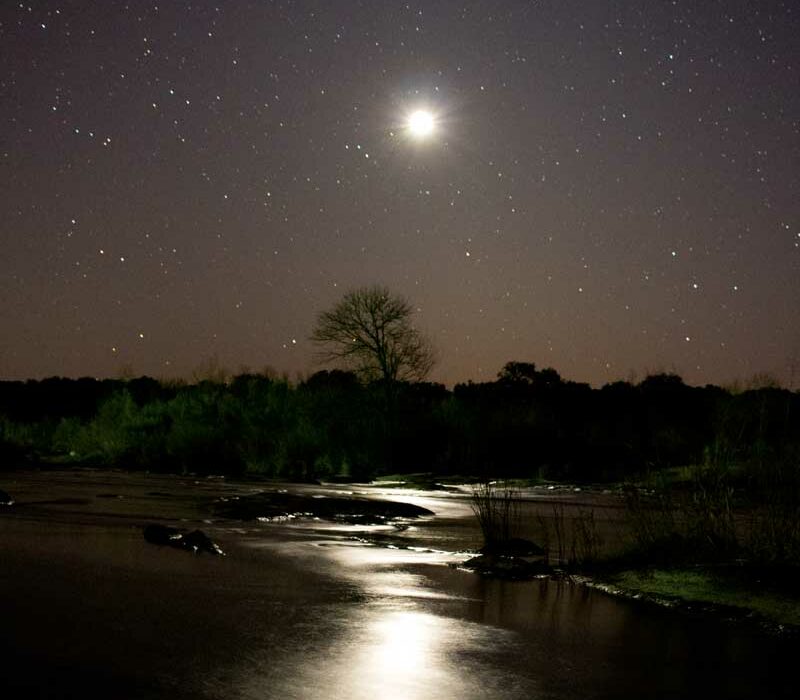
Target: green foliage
[202,431]
[18,441]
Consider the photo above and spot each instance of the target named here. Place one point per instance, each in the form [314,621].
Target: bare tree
[370,332]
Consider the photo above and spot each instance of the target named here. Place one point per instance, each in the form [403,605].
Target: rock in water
[161,534]
[196,541]
[506,567]
[5,499]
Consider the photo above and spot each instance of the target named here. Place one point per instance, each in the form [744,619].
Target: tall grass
[497,507]
[570,541]
[773,530]
[748,513]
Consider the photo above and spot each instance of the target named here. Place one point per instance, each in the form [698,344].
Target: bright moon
[420,123]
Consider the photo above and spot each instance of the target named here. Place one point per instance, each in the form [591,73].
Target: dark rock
[161,534]
[507,567]
[196,541]
[5,499]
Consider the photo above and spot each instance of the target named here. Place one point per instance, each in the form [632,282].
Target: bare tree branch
[370,331]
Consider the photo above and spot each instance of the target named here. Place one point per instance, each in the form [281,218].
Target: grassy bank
[702,544]
[728,593]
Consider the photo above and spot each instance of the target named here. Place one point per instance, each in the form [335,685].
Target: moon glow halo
[420,123]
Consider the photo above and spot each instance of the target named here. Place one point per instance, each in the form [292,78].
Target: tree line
[529,422]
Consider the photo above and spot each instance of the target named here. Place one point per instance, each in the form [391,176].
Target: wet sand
[305,610]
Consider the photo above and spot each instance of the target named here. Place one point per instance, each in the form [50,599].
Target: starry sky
[610,189]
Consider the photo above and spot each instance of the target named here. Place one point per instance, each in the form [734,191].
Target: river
[307,609]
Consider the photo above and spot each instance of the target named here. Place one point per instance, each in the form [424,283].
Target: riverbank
[737,597]
[591,523]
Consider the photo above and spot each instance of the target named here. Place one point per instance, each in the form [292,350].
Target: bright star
[420,123]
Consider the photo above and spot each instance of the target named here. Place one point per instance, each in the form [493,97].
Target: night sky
[610,188]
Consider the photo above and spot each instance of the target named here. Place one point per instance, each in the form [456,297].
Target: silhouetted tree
[370,332]
[521,374]
[517,373]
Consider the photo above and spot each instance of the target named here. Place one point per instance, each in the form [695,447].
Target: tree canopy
[370,332]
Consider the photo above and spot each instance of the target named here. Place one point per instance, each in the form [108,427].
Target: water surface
[307,609]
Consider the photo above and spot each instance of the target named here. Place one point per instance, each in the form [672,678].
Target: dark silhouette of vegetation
[528,423]
[740,500]
[497,508]
[570,543]
[370,332]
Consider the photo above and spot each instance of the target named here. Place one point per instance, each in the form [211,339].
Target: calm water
[309,610]
[414,626]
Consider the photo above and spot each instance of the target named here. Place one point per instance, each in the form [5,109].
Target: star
[421,124]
